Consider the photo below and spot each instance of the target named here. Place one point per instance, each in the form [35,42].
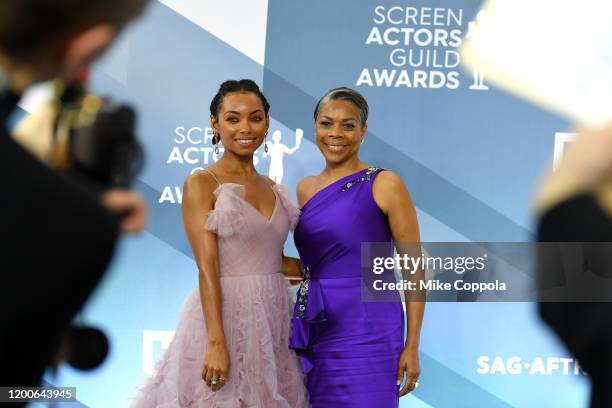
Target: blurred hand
[35,132]
[126,202]
[586,166]
[589,158]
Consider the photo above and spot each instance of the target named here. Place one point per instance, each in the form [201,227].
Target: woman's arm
[292,269]
[197,202]
[393,198]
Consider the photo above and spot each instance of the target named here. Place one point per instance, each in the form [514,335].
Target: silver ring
[214,381]
[416,385]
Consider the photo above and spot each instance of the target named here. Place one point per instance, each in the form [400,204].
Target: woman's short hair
[345,94]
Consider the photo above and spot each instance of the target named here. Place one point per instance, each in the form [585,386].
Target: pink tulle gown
[264,372]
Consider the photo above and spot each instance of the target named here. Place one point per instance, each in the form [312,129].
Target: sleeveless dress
[349,349]
[256,310]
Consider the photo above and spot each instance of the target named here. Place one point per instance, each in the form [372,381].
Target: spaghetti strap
[213,175]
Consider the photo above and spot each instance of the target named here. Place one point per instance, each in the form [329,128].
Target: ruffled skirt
[264,372]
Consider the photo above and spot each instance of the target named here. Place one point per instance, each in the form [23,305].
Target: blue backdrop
[471,159]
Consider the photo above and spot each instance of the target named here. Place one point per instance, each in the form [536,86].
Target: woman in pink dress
[231,344]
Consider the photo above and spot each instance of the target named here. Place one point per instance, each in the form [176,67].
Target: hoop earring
[266,142]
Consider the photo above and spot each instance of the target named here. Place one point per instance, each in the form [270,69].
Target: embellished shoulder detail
[293,212]
[364,177]
[226,218]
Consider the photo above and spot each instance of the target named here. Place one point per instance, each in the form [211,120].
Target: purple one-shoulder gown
[349,349]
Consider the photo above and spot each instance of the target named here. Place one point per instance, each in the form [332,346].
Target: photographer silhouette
[59,235]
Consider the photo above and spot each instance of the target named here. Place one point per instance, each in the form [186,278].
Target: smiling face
[241,122]
[338,131]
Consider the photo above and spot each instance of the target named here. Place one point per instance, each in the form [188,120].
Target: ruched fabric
[227,216]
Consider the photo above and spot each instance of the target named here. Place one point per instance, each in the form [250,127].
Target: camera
[93,138]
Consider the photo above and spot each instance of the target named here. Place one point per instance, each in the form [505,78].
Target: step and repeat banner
[470,155]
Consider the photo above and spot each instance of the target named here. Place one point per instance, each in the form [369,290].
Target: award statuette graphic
[473,30]
[276,151]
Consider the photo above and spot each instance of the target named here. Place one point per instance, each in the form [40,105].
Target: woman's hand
[408,364]
[216,365]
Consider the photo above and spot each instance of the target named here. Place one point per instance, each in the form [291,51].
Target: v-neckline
[276,199]
[331,185]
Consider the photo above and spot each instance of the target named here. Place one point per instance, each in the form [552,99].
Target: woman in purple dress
[353,352]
